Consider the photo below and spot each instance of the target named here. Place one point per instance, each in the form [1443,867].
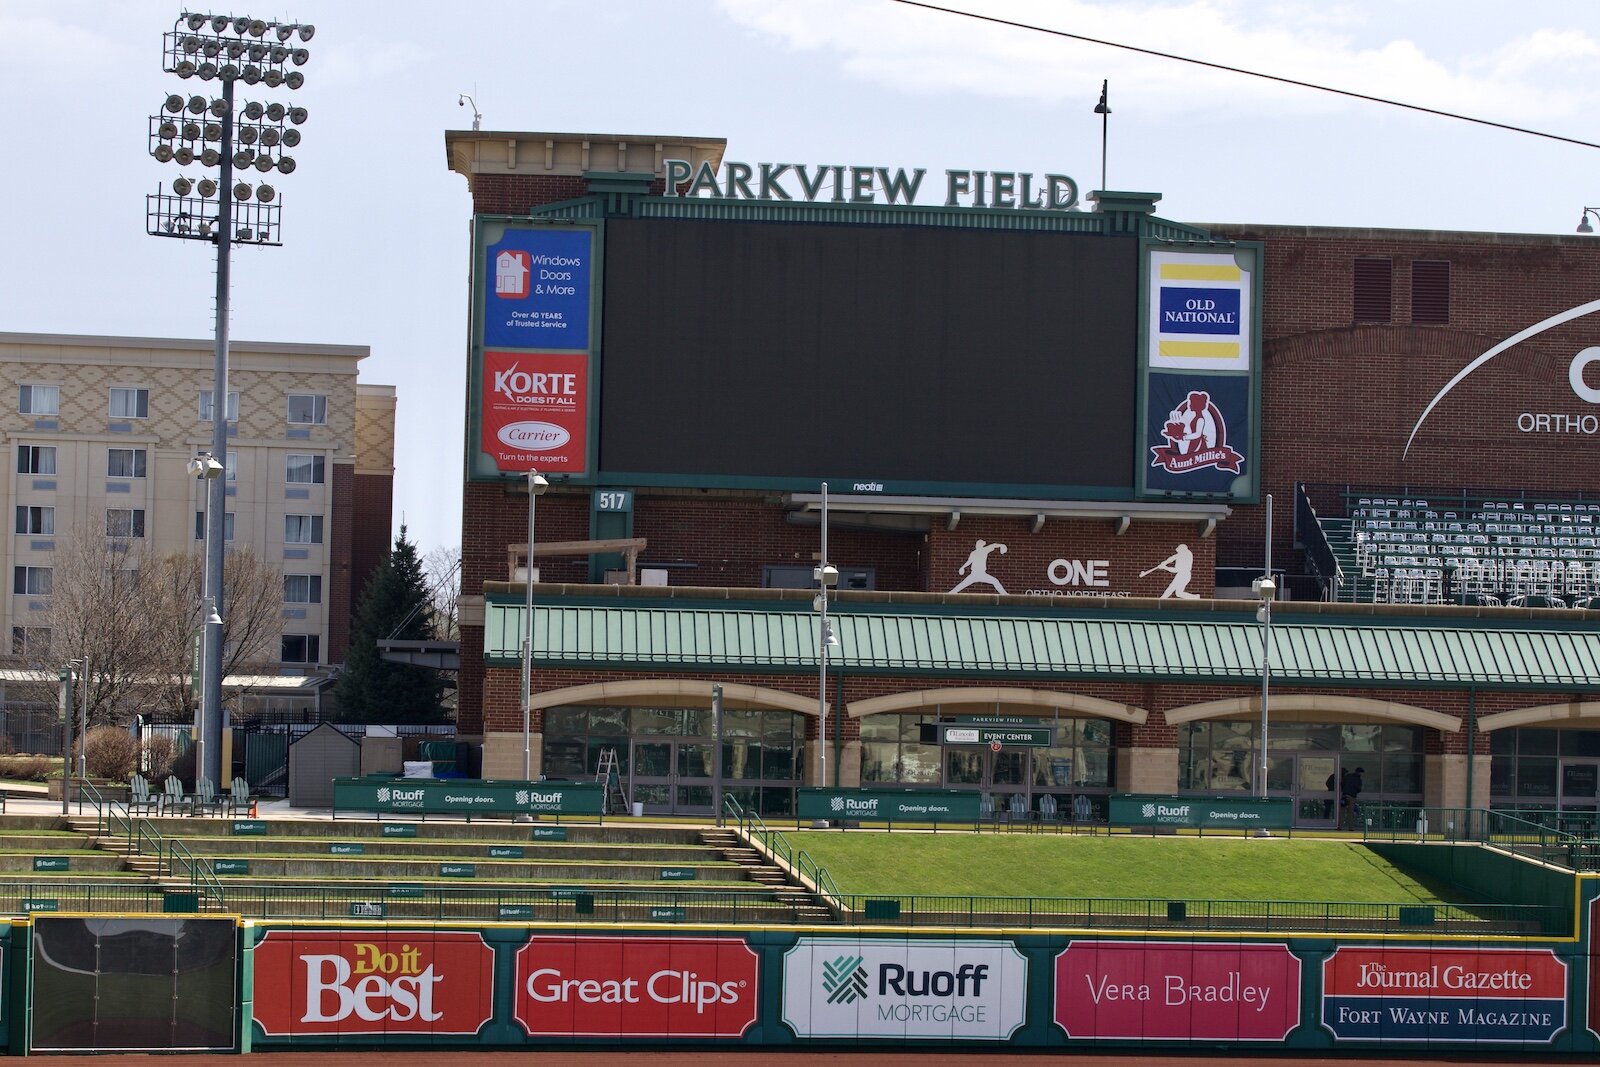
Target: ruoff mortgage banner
[898,989]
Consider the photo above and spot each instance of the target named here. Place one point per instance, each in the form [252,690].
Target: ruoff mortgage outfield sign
[463,796]
[887,805]
[1202,813]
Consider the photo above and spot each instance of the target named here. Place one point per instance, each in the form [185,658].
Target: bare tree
[132,616]
[443,568]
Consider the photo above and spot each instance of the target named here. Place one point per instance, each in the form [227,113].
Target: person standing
[1350,790]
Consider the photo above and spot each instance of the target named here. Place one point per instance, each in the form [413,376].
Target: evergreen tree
[393,605]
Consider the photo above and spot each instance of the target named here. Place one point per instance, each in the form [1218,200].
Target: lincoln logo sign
[637,987]
[892,988]
[378,982]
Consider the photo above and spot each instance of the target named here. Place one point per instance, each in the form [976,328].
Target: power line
[1249,73]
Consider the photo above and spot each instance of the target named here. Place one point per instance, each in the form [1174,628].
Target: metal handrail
[1319,552]
[778,847]
[201,875]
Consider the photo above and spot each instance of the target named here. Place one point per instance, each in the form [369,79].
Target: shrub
[7,746]
[30,768]
[159,752]
[110,752]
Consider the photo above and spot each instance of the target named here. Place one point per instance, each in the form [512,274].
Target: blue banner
[1204,311]
[537,288]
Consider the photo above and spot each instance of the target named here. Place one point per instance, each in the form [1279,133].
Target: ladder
[614,802]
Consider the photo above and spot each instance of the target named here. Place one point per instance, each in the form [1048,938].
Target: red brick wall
[341,542]
[1339,400]
[372,518]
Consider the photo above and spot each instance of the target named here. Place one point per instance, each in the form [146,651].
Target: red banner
[693,987]
[372,982]
[536,411]
[1444,972]
[1177,991]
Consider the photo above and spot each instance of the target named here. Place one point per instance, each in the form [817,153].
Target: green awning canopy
[1115,647]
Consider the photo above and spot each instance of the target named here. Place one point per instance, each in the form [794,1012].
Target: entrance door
[1316,800]
[1003,774]
[1580,793]
[673,777]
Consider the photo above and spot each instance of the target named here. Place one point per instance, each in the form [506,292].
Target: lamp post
[1265,590]
[537,484]
[205,469]
[825,574]
[223,212]
[1583,220]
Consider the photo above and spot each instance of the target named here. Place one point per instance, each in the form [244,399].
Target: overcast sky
[376,227]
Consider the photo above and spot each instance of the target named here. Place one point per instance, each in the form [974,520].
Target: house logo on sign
[511,273]
[1197,438]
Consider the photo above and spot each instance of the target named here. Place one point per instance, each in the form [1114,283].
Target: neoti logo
[372,982]
[533,436]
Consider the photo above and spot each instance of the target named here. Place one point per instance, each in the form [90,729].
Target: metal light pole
[537,484]
[1265,589]
[825,574]
[228,49]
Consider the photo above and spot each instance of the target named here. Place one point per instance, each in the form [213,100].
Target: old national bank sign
[843,184]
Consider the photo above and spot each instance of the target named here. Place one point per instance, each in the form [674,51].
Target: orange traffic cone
[252,809]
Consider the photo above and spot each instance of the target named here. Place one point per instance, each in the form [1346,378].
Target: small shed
[315,760]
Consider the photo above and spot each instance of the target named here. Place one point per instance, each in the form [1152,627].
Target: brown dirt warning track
[790,1058]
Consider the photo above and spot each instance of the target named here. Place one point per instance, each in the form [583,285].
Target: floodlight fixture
[294,79]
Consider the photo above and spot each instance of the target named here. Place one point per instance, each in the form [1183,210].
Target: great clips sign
[636,987]
[535,411]
[1177,991]
[1483,996]
[344,982]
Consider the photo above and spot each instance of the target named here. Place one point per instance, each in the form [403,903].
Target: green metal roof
[1112,648]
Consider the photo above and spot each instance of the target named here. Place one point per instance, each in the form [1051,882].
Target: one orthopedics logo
[844,979]
[976,568]
[1197,438]
[1574,371]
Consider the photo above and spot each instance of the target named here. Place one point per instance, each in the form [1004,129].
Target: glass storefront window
[1222,757]
[657,721]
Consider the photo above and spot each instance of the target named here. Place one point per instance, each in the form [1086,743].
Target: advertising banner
[537,287]
[535,411]
[467,796]
[1483,996]
[379,982]
[898,989]
[1200,311]
[1202,813]
[1197,431]
[1012,736]
[887,805]
[686,987]
[1177,991]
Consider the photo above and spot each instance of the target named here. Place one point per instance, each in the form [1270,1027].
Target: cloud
[1542,74]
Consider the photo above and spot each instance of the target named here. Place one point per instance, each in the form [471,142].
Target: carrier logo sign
[1197,438]
[896,989]
[1496,996]
[535,410]
[637,987]
[384,982]
[1177,991]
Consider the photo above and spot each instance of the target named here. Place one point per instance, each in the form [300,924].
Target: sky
[376,228]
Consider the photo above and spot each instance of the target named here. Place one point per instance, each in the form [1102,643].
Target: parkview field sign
[463,796]
[888,805]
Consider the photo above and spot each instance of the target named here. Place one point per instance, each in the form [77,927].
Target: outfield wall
[193,982]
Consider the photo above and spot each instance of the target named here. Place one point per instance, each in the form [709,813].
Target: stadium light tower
[186,131]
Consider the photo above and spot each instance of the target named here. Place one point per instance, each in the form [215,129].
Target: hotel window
[32,581]
[40,400]
[124,522]
[305,470]
[30,640]
[36,459]
[205,405]
[232,473]
[130,403]
[200,526]
[36,520]
[301,648]
[302,529]
[125,462]
[302,588]
[308,409]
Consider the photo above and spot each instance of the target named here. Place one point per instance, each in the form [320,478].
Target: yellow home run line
[1200,349]
[1199,272]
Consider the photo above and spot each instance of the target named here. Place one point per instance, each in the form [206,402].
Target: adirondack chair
[174,799]
[1018,813]
[986,812]
[239,802]
[140,800]
[206,801]
[1049,812]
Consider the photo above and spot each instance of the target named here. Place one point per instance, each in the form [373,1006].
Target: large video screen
[913,359]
